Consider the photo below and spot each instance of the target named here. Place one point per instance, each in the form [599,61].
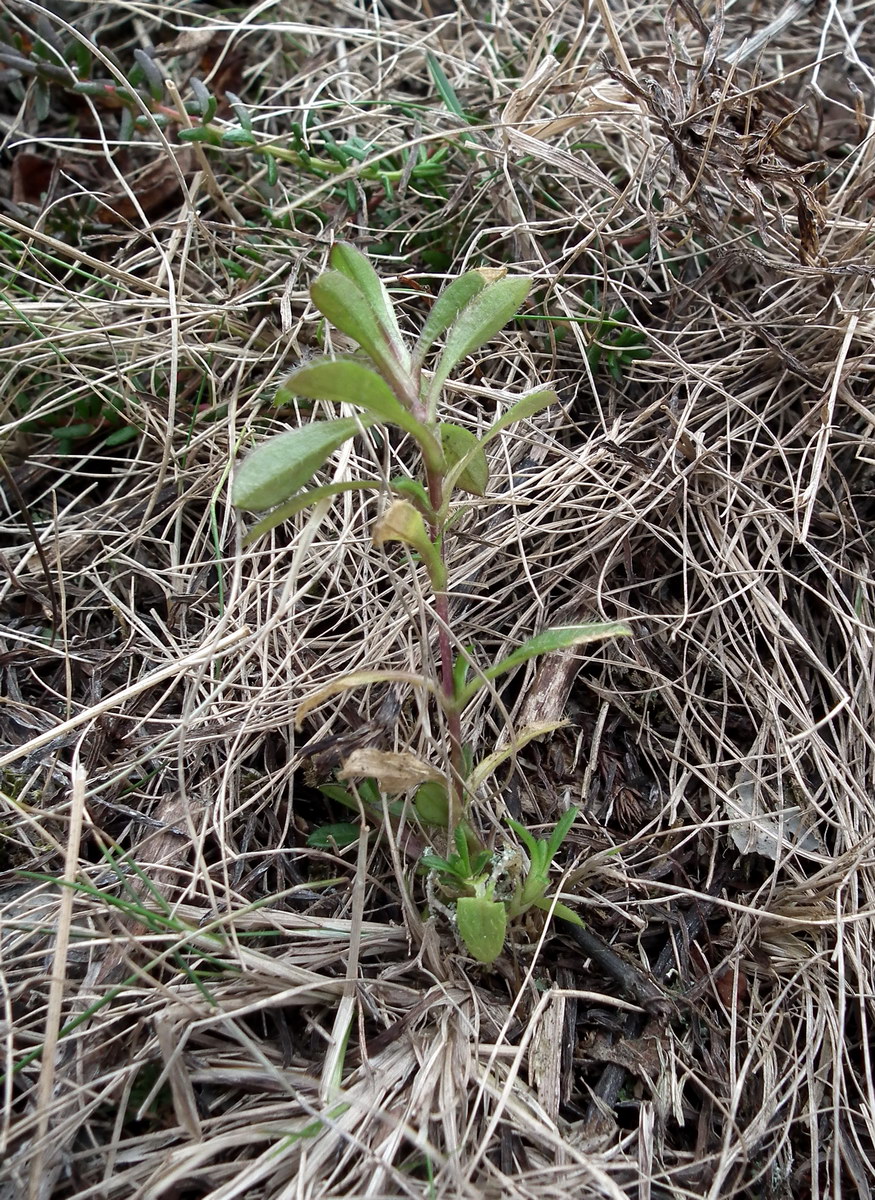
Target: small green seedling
[533,893]
[75,420]
[390,386]
[480,919]
[615,344]
[367,800]
[488,895]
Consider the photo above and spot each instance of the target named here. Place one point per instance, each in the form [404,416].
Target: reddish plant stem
[451,711]
[448,689]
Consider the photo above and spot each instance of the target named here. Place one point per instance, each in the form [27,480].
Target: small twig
[613,1077]
[631,979]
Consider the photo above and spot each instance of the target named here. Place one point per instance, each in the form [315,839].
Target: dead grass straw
[243,1014]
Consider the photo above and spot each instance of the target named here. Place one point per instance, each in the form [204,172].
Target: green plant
[613,343]
[345,833]
[488,893]
[396,390]
[88,417]
[137,93]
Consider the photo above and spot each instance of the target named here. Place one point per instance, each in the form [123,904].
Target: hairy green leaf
[303,500]
[434,862]
[559,910]
[205,133]
[206,103]
[342,301]
[527,839]
[344,381]
[412,490]
[462,848]
[241,112]
[461,666]
[527,406]
[461,447]
[480,861]
[446,308]
[482,926]
[356,267]
[345,833]
[340,795]
[560,831]
[126,434]
[563,637]
[235,137]
[153,74]
[432,803]
[402,522]
[280,466]
[480,320]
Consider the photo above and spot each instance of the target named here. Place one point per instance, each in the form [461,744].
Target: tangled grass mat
[197,1001]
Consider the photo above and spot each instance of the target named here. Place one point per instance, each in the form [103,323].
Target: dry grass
[195,1003]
